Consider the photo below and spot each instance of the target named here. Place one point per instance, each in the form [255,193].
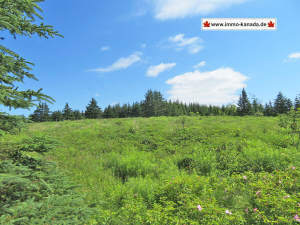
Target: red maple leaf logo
[271,24]
[206,24]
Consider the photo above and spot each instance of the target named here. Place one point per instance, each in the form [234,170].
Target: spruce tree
[77,115]
[41,114]
[124,111]
[18,18]
[93,111]
[68,113]
[158,104]
[57,116]
[154,104]
[116,110]
[148,104]
[36,116]
[136,109]
[282,104]
[108,112]
[289,104]
[45,113]
[269,110]
[244,105]
[254,106]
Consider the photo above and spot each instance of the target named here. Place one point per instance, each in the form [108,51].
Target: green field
[179,170]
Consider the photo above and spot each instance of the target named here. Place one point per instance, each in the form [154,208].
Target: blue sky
[116,50]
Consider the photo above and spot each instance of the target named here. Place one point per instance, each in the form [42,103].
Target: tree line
[155,105]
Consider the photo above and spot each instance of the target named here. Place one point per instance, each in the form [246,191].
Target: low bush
[35,192]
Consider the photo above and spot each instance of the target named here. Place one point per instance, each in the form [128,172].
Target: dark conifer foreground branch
[18,18]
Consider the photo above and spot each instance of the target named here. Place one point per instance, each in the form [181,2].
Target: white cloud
[97,95]
[122,63]
[154,71]
[200,64]
[172,9]
[181,41]
[295,55]
[212,87]
[192,44]
[105,48]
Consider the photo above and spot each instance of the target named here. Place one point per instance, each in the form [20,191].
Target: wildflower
[287,196]
[228,212]
[199,207]
[293,167]
[255,210]
[258,193]
[280,182]
[297,218]
[245,177]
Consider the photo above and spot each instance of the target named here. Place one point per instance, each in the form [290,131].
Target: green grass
[158,170]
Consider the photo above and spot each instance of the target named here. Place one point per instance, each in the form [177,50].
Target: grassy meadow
[179,170]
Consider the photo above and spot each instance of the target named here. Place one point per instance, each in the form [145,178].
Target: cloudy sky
[116,50]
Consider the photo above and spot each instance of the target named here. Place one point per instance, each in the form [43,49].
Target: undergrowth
[191,170]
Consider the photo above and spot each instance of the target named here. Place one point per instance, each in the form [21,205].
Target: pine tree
[45,113]
[116,110]
[289,104]
[57,116]
[77,115]
[36,116]
[136,110]
[254,106]
[282,104]
[269,110]
[124,111]
[148,106]
[108,112]
[244,105]
[257,108]
[158,104]
[93,111]
[154,104]
[68,113]
[41,114]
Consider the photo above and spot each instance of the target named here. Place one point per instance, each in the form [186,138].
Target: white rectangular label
[239,24]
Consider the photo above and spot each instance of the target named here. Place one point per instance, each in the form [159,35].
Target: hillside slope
[180,170]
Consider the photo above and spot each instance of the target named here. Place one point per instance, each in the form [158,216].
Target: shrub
[186,163]
[38,196]
[38,144]
[11,124]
